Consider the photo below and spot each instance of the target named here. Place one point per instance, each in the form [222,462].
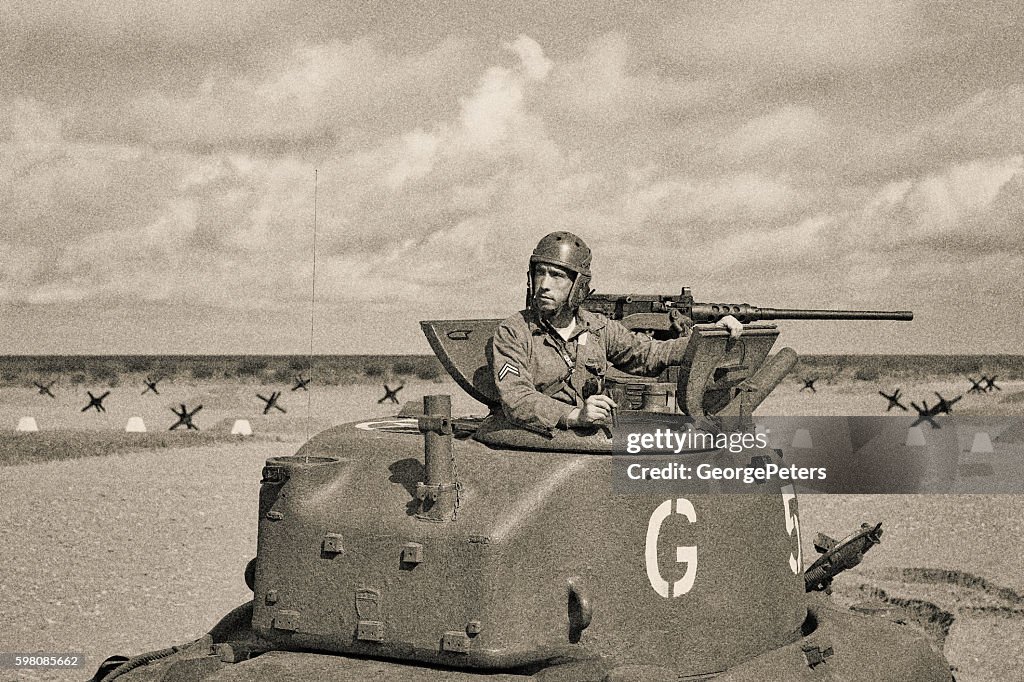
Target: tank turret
[435,547]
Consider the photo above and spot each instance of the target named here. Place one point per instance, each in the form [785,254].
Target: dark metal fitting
[236,652]
[287,621]
[370,631]
[274,475]
[250,574]
[412,553]
[815,654]
[474,628]
[333,544]
[455,642]
[425,491]
[431,424]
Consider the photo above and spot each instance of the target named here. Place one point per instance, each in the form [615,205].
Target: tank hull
[863,648]
[542,570]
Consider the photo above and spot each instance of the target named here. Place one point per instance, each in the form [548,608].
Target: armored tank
[429,546]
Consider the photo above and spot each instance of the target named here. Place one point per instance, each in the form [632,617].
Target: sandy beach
[139,550]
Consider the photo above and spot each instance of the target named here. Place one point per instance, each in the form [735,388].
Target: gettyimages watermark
[667,453]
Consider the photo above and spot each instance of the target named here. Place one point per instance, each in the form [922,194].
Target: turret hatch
[462,346]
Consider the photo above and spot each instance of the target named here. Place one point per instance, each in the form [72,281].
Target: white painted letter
[684,555]
[792,522]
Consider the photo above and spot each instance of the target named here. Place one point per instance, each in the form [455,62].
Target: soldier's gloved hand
[597,409]
[734,326]
[678,322]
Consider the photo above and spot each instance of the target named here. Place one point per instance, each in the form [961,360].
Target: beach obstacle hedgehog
[391,394]
[271,402]
[96,402]
[44,389]
[894,400]
[185,418]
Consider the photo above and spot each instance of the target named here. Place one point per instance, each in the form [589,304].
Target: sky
[178,176]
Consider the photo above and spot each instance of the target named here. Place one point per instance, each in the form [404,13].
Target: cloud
[105,20]
[612,83]
[975,204]
[761,147]
[796,37]
[535,65]
[230,228]
[989,123]
[313,97]
[489,115]
[779,133]
[29,125]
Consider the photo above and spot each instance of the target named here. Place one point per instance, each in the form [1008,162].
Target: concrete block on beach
[241,428]
[982,442]
[135,425]
[915,436]
[27,424]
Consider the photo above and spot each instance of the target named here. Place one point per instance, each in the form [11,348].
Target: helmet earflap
[580,291]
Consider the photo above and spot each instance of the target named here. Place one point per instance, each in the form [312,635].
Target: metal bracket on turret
[432,424]
[438,492]
[725,377]
[430,493]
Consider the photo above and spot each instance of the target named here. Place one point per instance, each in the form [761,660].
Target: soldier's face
[551,287]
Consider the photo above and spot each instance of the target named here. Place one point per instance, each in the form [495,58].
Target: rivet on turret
[332,544]
[370,631]
[815,654]
[455,642]
[412,553]
[287,621]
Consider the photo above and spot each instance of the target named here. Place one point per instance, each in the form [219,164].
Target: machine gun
[717,376]
[656,313]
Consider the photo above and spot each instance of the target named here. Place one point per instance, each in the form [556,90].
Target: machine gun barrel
[621,306]
[712,312]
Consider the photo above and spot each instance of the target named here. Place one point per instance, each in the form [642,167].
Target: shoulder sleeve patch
[506,369]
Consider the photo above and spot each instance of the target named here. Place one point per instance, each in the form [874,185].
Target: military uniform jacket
[541,378]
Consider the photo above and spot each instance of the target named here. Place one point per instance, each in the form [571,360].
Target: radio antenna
[312,307]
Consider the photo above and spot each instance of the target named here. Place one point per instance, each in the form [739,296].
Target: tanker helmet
[568,251]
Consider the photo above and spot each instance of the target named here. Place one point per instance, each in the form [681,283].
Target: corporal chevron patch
[506,369]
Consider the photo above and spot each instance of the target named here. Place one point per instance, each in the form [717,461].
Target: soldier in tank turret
[549,361]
